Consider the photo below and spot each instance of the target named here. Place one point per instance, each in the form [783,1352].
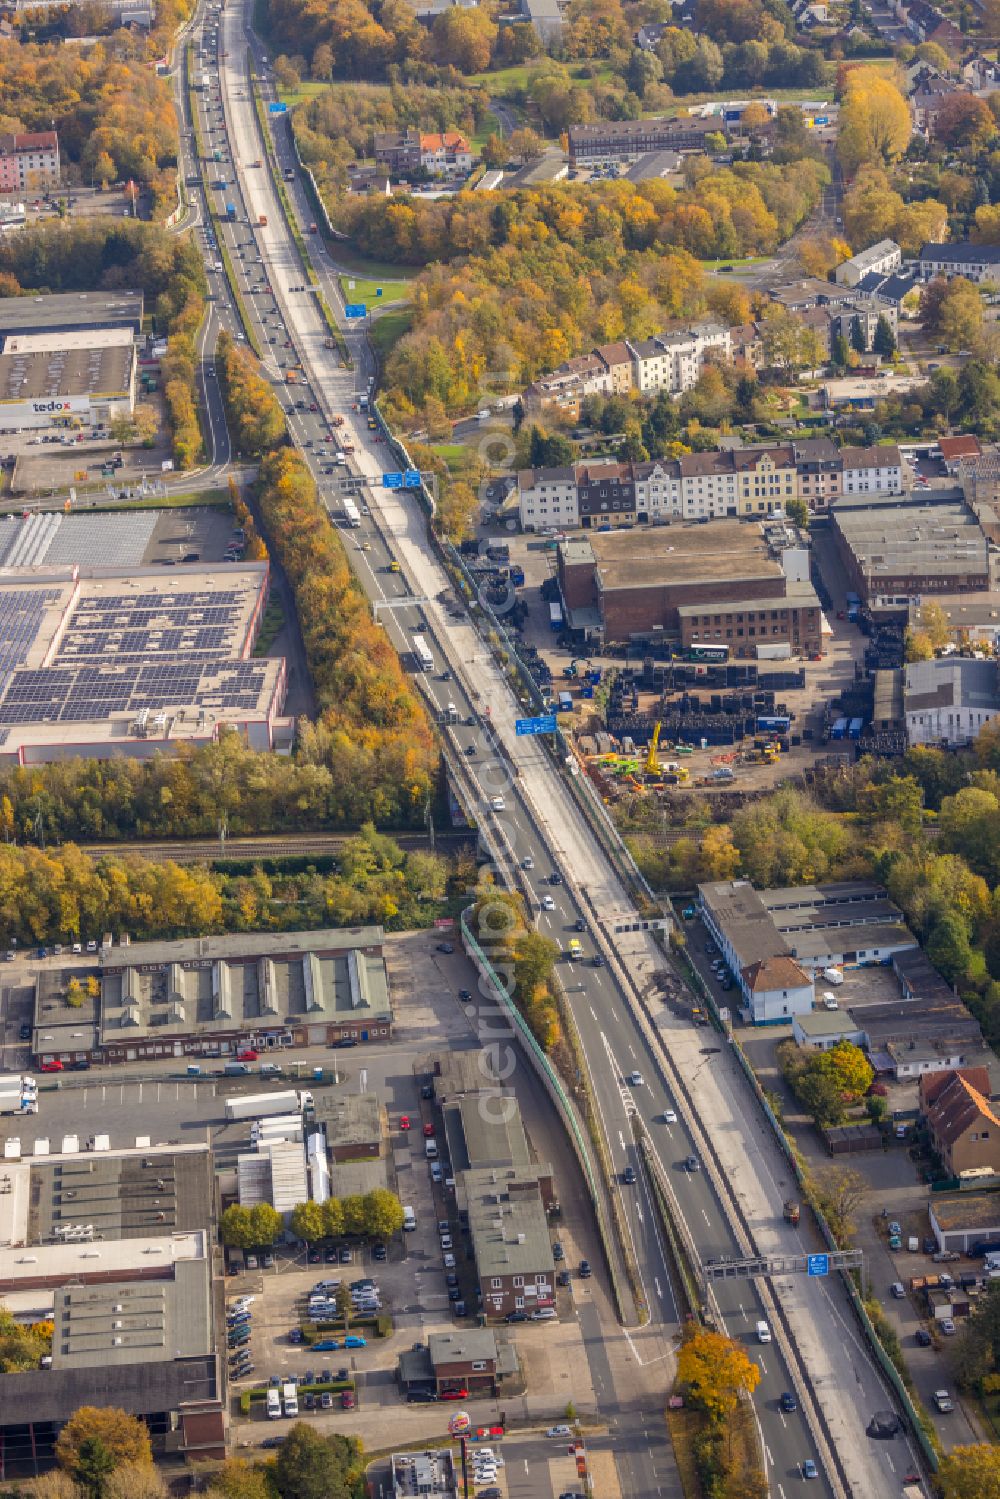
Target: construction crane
[652,763]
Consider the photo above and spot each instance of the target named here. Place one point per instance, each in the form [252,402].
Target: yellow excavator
[652,763]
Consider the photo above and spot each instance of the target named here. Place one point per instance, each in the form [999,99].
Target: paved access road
[539,821]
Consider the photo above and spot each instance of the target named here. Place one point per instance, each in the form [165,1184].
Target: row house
[566,387]
[741,483]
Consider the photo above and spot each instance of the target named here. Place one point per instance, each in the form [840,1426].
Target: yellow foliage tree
[715,1369]
[124,1437]
[971,1472]
[875,123]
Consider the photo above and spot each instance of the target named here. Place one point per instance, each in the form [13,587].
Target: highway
[544,827]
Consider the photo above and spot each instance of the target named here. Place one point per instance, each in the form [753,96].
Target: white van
[409,1220]
[290,1399]
[833,976]
[431,1150]
[763,1332]
[273,1405]
[830,1000]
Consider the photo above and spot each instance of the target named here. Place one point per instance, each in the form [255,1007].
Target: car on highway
[788,1403]
[445,947]
[692,1163]
[527,862]
[585,1270]
[628,1176]
[669,1116]
[548,904]
[635,1080]
[497,804]
[809,1469]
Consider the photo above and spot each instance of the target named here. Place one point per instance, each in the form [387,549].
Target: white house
[974,262]
[548,497]
[775,989]
[948,700]
[875,470]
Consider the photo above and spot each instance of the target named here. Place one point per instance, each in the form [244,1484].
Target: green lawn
[453,453]
[514,80]
[389,328]
[364,289]
[488,127]
[305,90]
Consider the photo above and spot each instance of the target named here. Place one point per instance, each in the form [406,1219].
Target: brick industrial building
[717,583]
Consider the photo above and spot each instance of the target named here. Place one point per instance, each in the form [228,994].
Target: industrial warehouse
[99,663]
[61,378]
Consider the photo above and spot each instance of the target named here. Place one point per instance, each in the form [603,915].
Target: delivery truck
[18,1094]
[260,1105]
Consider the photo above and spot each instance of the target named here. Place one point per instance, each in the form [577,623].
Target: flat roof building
[895,549]
[355,1124]
[947,701]
[65,377]
[125,1277]
[804,928]
[509,1230]
[67,312]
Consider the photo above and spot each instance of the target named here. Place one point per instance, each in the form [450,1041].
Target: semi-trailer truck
[260,1105]
[18,1094]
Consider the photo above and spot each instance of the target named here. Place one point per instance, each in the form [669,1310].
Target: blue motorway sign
[411,478]
[378,291]
[544,725]
[818,1264]
[355,309]
[277,109]
[392,481]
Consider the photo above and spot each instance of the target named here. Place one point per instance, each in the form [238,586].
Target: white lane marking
[656,1283]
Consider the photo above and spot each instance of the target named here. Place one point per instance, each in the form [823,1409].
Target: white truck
[18,1094]
[290,1400]
[259,1105]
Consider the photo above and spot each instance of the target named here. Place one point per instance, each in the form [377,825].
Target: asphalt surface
[614,1041]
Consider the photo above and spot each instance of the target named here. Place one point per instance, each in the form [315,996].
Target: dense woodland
[114,114]
[64,895]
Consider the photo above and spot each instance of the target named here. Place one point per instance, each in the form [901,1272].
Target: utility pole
[223,832]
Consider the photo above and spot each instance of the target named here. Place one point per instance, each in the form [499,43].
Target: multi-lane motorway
[541,826]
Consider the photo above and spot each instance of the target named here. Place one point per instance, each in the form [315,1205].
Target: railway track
[238,850]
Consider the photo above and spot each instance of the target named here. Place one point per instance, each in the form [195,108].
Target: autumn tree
[383,1214]
[311,1466]
[715,1370]
[964,120]
[236,1229]
[849,1068]
[307,1221]
[840,1191]
[952,311]
[265,1224]
[464,39]
[875,121]
[238,1479]
[135,1481]
[971,1472]
[124,1438]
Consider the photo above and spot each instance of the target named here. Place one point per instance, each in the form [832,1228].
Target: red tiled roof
[957,1108]
[775,973]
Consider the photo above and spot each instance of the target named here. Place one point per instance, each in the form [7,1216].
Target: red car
[54,1066]
[428,1131]
[404,1121]
[454,1395]
[346,1400]
[247,1055]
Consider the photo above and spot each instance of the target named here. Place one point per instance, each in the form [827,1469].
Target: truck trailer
[260,1105]
[18,1094]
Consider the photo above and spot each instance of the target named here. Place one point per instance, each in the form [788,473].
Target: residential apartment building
[864,312]
[766,478]
[565,388]
[446,155]
[818,462]
[673,361]
[605,493]
[617,360]
[29,163]
[398,151]
[877,470]
[548,498]
[886,256]
[974,262]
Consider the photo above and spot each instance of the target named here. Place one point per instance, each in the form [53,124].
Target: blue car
[327,1345]
[351,1342]
[809,1469]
